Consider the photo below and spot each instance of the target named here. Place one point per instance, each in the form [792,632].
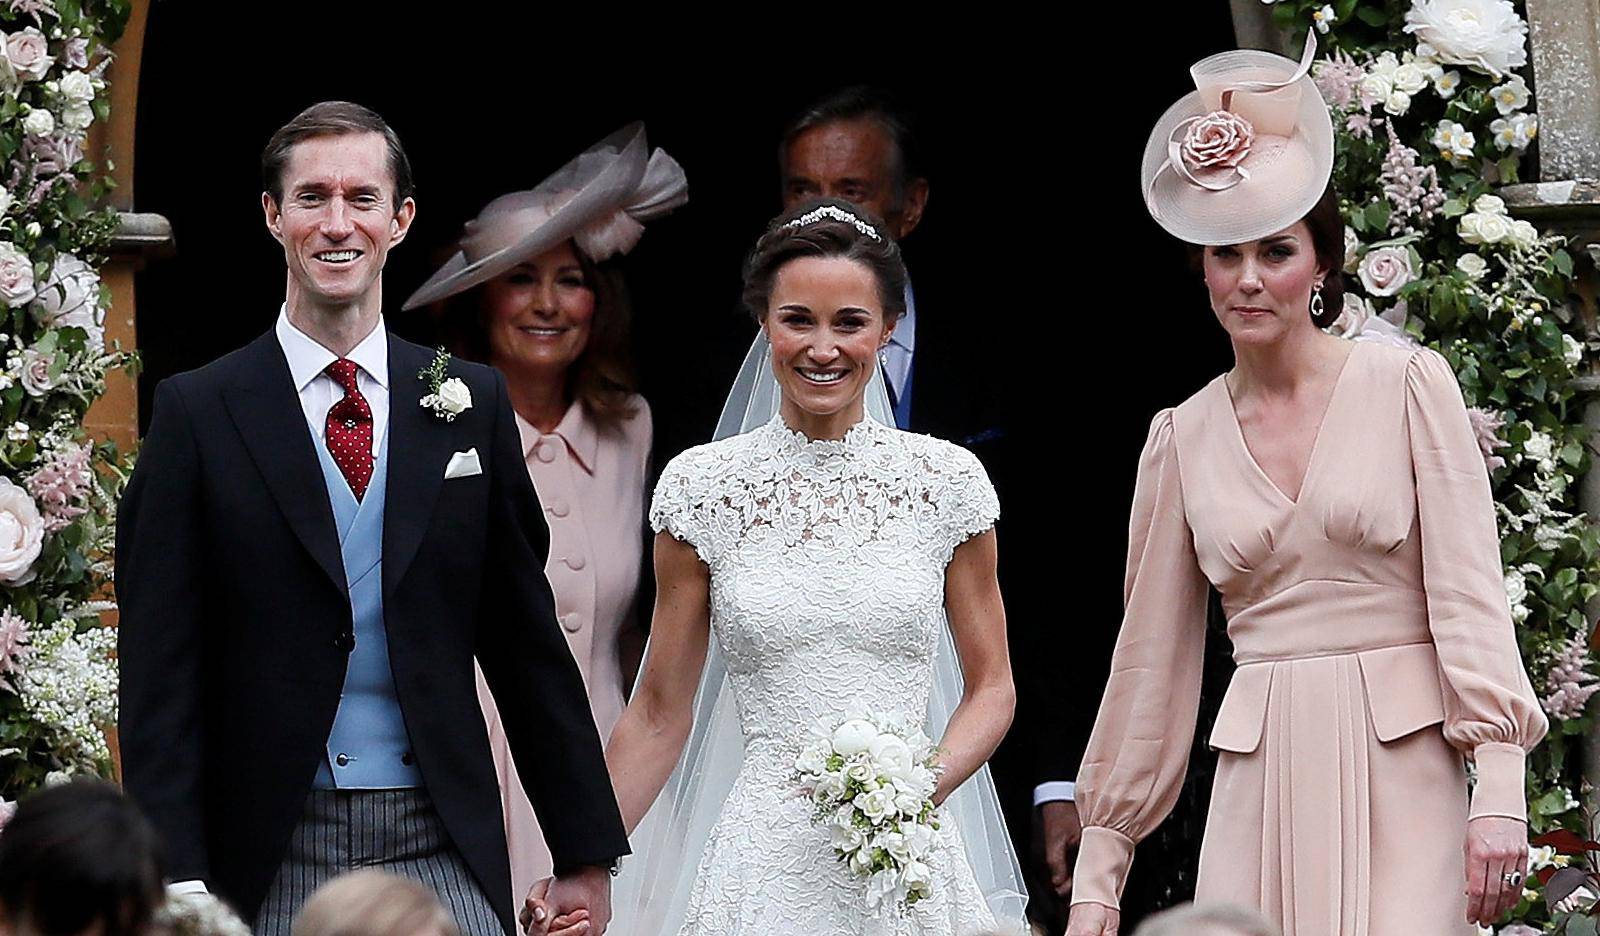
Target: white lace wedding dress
[827,568]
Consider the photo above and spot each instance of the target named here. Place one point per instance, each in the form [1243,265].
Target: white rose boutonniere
[448,396]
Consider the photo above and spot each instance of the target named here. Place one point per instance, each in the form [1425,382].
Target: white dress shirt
[308,360]
[896,355]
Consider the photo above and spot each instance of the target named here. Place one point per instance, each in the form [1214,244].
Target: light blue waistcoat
[368,747]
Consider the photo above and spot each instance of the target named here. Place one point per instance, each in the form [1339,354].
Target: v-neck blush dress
[1375,654]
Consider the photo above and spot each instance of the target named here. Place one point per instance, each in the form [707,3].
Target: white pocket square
[463,465]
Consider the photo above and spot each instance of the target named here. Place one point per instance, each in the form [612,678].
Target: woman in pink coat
[1334,494]
[535,297]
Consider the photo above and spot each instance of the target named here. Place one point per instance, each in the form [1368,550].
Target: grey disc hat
[599,200]
[1246,154]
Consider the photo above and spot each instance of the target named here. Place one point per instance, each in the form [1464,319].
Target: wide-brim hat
[1246,154]
[599,200]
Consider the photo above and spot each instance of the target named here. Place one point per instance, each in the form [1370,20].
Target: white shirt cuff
[1055,790]
[186,887]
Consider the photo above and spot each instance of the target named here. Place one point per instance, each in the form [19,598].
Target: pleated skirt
[1330,831]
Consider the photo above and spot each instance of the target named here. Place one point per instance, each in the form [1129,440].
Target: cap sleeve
[680,505]
[967,501]
[1491,712]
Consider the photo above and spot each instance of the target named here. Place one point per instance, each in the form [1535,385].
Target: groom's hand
[580,902]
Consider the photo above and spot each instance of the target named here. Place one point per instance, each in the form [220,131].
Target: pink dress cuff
[1501,782]
[1104,857]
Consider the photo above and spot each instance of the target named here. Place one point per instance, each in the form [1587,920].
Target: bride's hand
[1092,919]
[537,921]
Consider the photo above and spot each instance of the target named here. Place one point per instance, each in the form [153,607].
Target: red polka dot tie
[349,430]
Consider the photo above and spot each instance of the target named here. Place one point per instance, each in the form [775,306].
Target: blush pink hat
[1245,155]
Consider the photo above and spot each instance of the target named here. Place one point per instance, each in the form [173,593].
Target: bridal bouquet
[872,781]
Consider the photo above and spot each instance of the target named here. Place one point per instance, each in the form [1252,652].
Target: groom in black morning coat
[239,629]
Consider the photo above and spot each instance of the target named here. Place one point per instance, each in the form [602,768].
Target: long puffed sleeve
[1134,766]
[1491,712]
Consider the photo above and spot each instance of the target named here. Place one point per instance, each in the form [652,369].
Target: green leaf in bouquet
[1378,215]
[1373,16]
[1507,168]
[1454,207]
[1561,261]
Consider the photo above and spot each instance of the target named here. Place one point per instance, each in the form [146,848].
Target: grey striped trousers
[396,831]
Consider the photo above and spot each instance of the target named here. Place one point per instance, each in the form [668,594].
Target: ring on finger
[1512,879]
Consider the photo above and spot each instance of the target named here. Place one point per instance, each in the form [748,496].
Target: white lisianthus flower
[812,760]
[39,123]
[1511,96]
[1397,103]
[16,276]
[1484,34]
[1571,350]
[77,87]
[1446,82]
[860,861]
[919,839]
[895,844]
[859,769]
[1411,77]
[21,534]
[876,805]
[827,790]
[1386,64]
[882,887]
[1386,270]
[1473,265]
[1523,234]
[845,837]
[917,879]
[1480,228]
[852,737]
[1324,18]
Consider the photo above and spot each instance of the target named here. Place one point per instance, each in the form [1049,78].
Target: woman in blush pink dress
[534,295]
[1334,495]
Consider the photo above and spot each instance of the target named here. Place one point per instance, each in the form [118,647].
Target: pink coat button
[546,452]
[572,622]
[559,509]
[575,563]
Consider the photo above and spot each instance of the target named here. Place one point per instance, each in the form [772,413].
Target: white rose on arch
[70,297]
[29,52]
[1484,228]
[21,534]
[1484,34]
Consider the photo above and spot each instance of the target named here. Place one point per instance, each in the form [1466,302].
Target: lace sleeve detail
[965,497]
[679,505]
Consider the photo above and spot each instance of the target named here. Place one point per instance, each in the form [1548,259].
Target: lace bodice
[827,563]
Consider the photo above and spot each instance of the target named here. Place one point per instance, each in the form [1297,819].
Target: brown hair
[333,118]
[602,377]
[1326,225]
[372,903]
[826,237]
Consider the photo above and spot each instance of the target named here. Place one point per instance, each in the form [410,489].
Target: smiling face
[826,323]
[539,314]
[1261,290]
[338,219]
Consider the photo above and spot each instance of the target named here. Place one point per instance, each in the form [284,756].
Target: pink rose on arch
[36,373]
[1218,140]
[1386,270]
[29,52]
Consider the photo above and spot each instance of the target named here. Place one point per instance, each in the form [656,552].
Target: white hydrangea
[70,684]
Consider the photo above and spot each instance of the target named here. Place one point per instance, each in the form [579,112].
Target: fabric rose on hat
[21,534]
[1219,140]
[1386,270]
[1485,34]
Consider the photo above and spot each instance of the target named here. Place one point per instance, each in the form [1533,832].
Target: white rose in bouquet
[860,862]
[21,534]
[845,837]
[1485,34]
[828,789]
[919,839]
[812,760]
[1523,234]
[1410,77]
[895,844]
[1489,204]
[1479,228]
[1473,265]
[893,756]
[39,122]
[76,118]
[854,736]
[859,768]
[77,88]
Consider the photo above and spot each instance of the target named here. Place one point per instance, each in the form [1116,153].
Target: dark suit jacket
[236,625]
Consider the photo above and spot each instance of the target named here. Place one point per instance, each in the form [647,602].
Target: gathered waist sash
[1314,628]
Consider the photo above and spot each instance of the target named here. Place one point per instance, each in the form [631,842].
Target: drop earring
[1317,305]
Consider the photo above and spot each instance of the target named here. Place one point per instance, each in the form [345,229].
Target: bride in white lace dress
[820,555]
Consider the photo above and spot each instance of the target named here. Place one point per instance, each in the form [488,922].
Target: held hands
[1058,834]
[574,904]
[1092,919]
[1495,847]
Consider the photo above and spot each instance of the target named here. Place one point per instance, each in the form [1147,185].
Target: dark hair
[1326,225]
[78,854]
[864,102]
[825,237]
[602,377]
[333,118]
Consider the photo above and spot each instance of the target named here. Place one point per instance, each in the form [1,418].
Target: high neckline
[854,439]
